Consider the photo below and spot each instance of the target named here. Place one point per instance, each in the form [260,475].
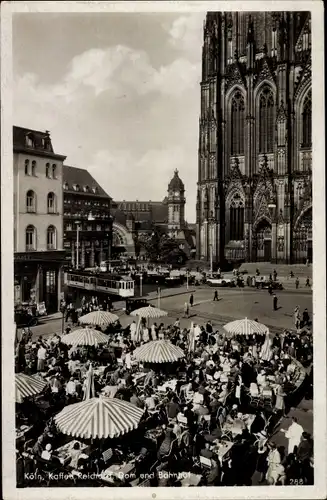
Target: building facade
[254,199]
[87,219]
[38,219]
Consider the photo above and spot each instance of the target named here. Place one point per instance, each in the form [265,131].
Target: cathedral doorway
[263,240]
[302,243]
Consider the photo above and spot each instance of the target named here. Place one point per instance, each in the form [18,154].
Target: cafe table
[123,472]
[236,429]
[22,431]
[64,452]
[222,448]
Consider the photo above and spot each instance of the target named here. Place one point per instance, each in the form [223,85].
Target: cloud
[185,32]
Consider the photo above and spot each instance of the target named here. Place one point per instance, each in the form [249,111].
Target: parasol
[98,318]
[85,336]
[149,312]
[246,327]
[98,418]
[158,351]
[27,385]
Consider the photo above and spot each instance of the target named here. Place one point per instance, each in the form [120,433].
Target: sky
[119,94]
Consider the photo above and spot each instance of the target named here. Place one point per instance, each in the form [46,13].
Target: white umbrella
[98,318]
[27,386]
[149,312]
[85,336]
[158,351]
[98,418]
[246,327]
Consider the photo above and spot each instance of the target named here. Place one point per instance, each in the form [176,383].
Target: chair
[205,462]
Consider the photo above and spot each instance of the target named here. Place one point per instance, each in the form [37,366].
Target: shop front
[38,278]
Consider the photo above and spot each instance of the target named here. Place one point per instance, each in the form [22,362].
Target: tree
[159,247]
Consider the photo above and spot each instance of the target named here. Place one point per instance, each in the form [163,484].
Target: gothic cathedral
[254,198]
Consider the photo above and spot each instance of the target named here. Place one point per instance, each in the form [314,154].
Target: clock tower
[176,205]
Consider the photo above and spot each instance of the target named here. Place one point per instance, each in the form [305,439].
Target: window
[54,169]
[66,186]
[68,227]
[27,167]
[238,124]
[236,222]
[47,171]
[94,189]
[51,238]
[76,187]
[266,121]
[51,203]
[30,201]
[30,238]
[34,168]
[29,141]
[306,121]
[86,189]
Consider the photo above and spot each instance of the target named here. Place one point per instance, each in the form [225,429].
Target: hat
[48,447]
[234,407]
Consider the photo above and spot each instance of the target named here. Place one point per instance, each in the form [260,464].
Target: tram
[119,286]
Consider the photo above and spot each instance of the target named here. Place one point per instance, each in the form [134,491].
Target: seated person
[261,378]
[47,452]
[206,452]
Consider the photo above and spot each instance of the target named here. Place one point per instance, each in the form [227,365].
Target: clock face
[176,193]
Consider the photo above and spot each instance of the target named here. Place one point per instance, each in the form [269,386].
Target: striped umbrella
[149,312]
[98,318]
[98,418]
[85,336]
[27,385]
[158,351]
[245,327]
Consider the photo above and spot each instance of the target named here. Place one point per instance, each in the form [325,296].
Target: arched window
[306,121]
[30,238]
[30,201]
[54,171]
[66,186]
[34,167]
[27,167]
[51,203]
[237,124]
[236,222]
[51,238]
[47,170]
[266,121]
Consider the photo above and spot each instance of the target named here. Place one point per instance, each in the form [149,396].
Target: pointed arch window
[236,214]
[51,238]
[30,238]
[237,124]
[30,201]
[266,121]
[307,121]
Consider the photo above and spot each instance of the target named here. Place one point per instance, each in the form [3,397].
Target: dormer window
[94,190]
[66,186]
[86,189]
[76,187]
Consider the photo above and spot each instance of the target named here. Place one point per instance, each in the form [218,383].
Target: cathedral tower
[254,200]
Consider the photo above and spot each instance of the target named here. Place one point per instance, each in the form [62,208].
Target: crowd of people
[211,415]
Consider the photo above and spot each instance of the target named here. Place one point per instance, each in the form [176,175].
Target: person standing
[41,356]
[297,283]
[215,296]
[293,434]
[307,283]
[186,310]
[280,402]
[275,275]
[191,300]
[275,302]
[274,462]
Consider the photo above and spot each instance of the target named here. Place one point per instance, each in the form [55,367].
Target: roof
[33,141]
[159,213]
[82,178]
[176,183]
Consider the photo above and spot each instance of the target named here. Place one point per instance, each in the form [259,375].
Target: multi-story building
[38,219]
[87,219]
[254,200]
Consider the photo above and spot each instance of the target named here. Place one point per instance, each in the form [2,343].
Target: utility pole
[77,244]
